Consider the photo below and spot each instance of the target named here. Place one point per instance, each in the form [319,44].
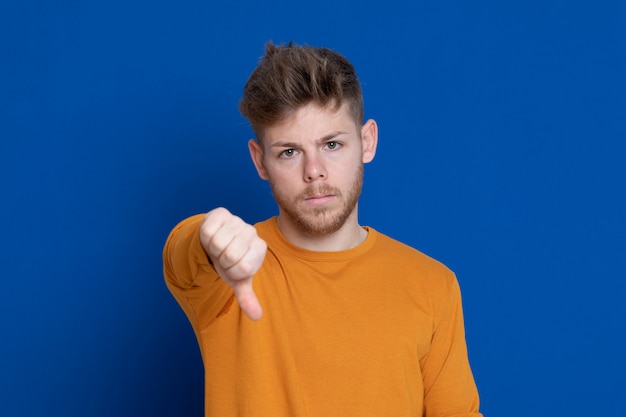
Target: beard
[321,220]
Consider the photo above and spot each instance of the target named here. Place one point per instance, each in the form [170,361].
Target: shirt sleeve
[449,387]
[191,278]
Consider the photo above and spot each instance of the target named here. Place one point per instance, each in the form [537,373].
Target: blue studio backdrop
[502,152]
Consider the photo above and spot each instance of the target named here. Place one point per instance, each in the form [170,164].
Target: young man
[309,313]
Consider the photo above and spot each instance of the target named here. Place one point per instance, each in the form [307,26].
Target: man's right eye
[287,153]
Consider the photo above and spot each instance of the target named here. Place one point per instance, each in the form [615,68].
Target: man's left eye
[332,145]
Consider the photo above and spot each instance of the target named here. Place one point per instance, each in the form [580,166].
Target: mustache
[318,190]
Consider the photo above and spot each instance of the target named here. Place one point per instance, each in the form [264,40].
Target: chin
[323,222]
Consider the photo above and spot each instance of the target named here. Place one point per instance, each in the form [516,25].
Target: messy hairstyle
[291,76]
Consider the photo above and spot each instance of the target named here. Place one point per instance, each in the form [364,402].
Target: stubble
[323,220]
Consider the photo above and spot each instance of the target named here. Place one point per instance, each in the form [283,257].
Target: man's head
[306,108]
[290,77]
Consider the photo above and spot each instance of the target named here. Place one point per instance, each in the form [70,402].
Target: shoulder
[399,251]
[185,226]
[418,270]
[266,227]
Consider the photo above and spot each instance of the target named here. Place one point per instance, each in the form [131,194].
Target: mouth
[320,199]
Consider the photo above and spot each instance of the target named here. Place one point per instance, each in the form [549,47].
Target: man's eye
[332,145]
[287,153]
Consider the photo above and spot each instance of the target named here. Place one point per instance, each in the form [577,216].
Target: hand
[237,253]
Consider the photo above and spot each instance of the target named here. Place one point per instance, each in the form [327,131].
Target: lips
[319,198]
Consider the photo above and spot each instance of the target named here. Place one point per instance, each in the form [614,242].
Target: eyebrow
[325,138]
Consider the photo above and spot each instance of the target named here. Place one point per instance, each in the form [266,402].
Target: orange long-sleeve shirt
[376,330]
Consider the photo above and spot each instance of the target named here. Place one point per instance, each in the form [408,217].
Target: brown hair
[291,76]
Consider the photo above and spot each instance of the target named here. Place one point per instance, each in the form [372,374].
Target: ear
[369,138]
[256,153]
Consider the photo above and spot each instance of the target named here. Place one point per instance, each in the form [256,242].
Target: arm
[449,387]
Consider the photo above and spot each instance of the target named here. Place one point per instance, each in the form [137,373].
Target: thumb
[247,299]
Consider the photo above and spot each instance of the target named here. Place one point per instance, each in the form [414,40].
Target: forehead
[311,122]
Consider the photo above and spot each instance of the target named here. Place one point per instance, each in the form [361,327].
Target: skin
[313,160]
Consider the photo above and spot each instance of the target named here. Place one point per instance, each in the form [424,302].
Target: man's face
[313,160]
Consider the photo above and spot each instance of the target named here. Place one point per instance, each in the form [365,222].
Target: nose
[314,168]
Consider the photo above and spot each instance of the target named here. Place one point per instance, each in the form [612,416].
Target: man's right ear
[256,153]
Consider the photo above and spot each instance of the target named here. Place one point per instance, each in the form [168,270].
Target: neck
[347,237]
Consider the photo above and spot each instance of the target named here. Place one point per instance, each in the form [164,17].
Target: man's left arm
[449,387]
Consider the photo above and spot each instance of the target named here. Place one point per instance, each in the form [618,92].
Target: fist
[237,253]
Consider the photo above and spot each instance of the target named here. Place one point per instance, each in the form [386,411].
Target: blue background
[502,150]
